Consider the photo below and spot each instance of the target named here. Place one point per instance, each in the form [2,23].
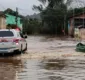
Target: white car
[12,41]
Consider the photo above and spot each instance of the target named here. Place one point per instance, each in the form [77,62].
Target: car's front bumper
[7,50]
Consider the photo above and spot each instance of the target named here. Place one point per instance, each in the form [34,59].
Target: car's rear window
[6,34]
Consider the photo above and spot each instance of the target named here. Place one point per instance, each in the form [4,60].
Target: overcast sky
[78,3]
[25,6]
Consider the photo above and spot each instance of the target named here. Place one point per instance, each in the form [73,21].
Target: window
[6,34]
[18,34]
[79,22]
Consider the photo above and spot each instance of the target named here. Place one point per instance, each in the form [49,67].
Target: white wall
[2,23]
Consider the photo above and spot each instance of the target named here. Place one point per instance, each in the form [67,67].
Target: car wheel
[16,52]
[25,48]
[21,51]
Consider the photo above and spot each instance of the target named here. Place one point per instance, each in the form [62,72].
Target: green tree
[31,26]
[52,16]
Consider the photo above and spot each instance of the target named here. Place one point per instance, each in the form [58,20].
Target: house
[2,20]
[8,18]
[76,22]
[11,18]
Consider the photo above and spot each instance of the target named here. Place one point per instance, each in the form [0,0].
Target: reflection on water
[9,68]
[50,67]
[47,69]
[53,69]
[54,64]
[55,78]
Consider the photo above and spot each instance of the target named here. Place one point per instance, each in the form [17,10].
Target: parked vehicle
[12,41]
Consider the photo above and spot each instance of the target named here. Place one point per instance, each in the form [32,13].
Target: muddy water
[40,62]
[45,69]
[40,44]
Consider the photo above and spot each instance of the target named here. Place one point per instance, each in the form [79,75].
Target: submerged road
[46,59]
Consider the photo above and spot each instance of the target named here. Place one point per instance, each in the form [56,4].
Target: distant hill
[37,16]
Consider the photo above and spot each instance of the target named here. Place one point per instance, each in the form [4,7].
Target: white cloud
[77,3]
[24,5]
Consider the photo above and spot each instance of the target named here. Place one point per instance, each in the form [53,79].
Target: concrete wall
[2,23]
[71,28]
[82,33]
[10,19]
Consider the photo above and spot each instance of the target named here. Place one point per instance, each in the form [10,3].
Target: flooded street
[46,59]
[49,69]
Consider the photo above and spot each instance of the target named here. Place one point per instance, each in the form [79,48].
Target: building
[8,17]
[2,20]
[8,69]
[11,20]
[76,22]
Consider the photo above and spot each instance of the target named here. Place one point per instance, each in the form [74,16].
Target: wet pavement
[46,59]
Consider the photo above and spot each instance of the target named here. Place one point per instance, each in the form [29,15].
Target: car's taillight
[0,40]
[3,40]
[16,40]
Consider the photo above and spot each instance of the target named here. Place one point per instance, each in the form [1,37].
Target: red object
[18,29]
[62,30]
[3,40]
[16,40]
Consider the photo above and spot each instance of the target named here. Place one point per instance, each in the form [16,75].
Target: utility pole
[16,15]
[74,18]
[73,28]
[64,25]
[83,17]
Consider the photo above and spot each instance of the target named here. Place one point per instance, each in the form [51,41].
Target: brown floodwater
[40,63]
[45,69]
